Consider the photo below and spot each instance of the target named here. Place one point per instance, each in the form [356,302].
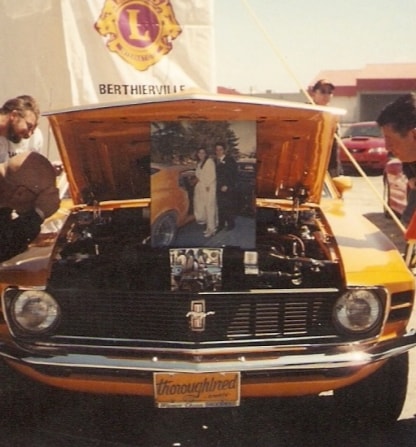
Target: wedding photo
[209,183]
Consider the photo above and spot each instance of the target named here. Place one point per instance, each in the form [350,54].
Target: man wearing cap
[321,94]
[28,194]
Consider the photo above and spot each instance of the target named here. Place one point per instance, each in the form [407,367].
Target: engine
[296,249]
[112,249]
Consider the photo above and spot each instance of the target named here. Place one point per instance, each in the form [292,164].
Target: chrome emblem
[197,315]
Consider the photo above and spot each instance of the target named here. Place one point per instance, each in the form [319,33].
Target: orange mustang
[319,303]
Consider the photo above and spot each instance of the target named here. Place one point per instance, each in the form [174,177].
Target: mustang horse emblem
[141,32]
[198,315]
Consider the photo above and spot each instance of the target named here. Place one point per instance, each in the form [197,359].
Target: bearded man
[18,118]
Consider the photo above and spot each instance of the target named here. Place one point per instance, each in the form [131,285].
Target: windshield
[368,130]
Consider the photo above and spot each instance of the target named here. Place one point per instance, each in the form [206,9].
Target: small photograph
[196,269]
[203,183]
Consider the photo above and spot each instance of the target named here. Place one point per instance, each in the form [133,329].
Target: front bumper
[350,356]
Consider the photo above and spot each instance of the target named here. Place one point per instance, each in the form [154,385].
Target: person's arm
[211,177]
[233,173]
[17,233]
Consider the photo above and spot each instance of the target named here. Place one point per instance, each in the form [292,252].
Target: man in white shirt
[10,149]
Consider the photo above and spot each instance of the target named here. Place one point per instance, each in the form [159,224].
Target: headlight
[358,311]
[34,311]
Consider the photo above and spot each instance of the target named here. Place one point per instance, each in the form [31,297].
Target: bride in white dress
[205,193]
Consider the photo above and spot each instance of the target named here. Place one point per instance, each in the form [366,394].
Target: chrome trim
[326,290]
[308,362]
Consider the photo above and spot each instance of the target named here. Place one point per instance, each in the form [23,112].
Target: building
[363,92]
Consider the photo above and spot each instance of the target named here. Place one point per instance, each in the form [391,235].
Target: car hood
[105,148]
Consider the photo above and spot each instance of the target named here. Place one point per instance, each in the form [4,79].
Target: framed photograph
[196,269]
[203,183]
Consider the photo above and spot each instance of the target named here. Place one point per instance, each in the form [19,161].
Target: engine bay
[112,249]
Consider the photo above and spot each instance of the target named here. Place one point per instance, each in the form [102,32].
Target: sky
[282,45]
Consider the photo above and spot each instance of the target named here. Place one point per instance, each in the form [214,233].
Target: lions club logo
[140,31]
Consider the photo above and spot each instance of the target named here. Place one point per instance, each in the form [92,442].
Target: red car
[365,142]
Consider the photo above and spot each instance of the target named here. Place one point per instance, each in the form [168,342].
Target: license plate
[183,390]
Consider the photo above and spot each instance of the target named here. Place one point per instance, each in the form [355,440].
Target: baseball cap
[322,83]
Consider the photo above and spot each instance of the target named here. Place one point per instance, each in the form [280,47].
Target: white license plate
[186,390]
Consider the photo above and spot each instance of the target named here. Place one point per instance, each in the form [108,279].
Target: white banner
[75,52]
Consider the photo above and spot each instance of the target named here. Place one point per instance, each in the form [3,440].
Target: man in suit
[226,169]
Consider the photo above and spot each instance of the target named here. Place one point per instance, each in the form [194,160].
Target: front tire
[379,398]
[164,230]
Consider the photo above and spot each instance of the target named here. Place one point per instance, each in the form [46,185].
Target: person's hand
[412,183]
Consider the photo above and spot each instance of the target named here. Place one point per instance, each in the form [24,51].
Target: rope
[310,99]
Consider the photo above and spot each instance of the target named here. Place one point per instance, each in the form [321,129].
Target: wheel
[379,398]
[164,230]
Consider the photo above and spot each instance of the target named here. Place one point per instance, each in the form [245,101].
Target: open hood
[106,149]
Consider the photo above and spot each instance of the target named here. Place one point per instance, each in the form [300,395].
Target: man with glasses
[19,118]
[28,195]
[18,121]
[321,94]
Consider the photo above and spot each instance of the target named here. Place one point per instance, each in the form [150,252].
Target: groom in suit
[226,183]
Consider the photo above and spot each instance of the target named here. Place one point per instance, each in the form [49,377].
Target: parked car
[321,304]
[171,208]
[365,142]
[395,186]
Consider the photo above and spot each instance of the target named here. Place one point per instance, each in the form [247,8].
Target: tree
[183,138]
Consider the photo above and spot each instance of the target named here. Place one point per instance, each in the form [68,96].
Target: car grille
[166,317]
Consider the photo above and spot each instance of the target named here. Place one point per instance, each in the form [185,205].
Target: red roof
[373,77]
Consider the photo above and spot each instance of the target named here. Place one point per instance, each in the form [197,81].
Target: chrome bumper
[355,356]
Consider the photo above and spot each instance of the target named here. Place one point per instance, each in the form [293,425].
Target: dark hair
[400,114]
[21,104]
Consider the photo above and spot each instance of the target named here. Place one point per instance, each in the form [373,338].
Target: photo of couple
[216,180]
[217,168]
